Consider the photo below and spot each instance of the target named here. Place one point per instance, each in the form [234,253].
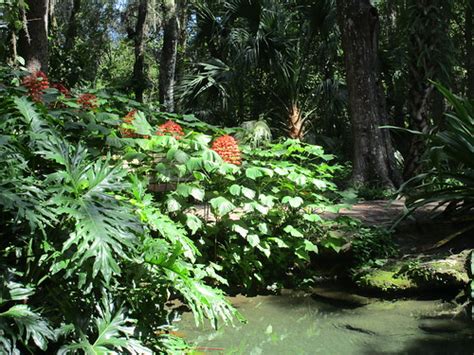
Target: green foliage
[450,178]
[263,218]
[105,229]
[20,326]
[369,193]
[80,230]
[114,332]
[372,246]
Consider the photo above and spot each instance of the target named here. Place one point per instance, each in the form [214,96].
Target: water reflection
[298,324]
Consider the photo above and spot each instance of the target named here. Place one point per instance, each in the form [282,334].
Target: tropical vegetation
[164,153]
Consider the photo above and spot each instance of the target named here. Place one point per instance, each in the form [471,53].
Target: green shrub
[85,251]
[101,224]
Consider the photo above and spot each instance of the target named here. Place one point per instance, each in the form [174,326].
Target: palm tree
[262,53]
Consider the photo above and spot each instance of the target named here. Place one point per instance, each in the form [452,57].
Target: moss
[437,273]
[414,275]
[384,280]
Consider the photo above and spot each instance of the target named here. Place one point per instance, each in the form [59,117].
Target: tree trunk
[469,50]
[373,155]
[183,19]
[33,42]
[139,80]
[71,32]
[168,55]
[295,122]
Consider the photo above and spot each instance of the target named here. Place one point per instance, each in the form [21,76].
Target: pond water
[296,323]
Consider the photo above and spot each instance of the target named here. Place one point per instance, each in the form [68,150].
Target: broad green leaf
[279,242]
[253,173]
[312,217]
[197,193]
[249,193]
[263,228]
[240,230]
[193,223]
[293,231]
[222,205]
[181,157]
[172,205]
[253,240]
[235,190]
[308,246]
[141,124]
[294,202]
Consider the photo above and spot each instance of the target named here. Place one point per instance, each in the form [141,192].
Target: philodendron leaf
[221,205]
[249,193]
[197,193]
[312,217]
[172,205]
[235,190]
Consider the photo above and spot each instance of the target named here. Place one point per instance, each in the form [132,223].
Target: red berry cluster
[227,148]
[62,89]
[88,101]
[172,128]
[35,83]
[128,119]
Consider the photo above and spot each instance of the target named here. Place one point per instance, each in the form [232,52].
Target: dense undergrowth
[102,204]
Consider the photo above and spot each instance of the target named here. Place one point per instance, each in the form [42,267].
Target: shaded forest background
[283,61]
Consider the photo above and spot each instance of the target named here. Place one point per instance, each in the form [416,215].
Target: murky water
[298,324]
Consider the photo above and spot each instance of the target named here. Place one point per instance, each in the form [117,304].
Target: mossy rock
[385,281]
[440,273]
[415,276]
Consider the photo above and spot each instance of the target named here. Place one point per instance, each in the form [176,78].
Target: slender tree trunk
[469,50]
[33,42]
[72,76]
[372,151]
[139,80]
[71,31]
[183,19]
[168,55]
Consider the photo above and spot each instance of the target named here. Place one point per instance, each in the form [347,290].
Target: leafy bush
[262,219]
[102,218]
[80,230]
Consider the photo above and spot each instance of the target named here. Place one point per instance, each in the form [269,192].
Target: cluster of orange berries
[227,148]
[62,89]
[88,101]
[35,83]
[38,81]
[172,128]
